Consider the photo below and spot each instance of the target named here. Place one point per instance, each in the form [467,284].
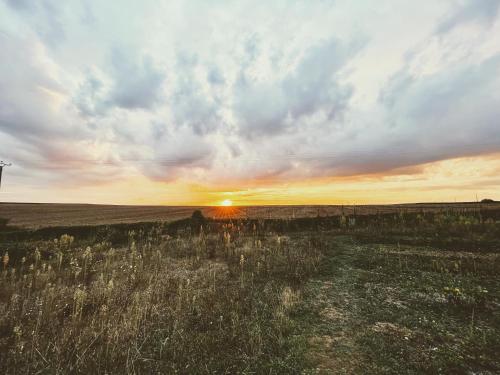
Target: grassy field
[37,215]
[406,292]
[388,309]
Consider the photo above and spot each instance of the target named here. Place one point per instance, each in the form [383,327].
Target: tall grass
[218,302]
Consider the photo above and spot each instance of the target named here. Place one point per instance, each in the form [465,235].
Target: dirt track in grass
[376,312]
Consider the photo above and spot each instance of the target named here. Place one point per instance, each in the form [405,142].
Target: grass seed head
[5,260]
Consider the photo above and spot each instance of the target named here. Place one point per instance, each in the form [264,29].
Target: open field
[36,215]
[389,309]
[260,187]
[401,293]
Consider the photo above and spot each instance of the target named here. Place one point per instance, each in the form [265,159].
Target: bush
[487,200]
[197,216]
[197,221]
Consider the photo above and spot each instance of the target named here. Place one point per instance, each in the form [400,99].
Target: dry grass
[157,306]
[324,296]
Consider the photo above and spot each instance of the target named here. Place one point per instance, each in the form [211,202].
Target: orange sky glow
[460,179]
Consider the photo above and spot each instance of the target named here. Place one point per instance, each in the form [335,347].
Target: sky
[193,102]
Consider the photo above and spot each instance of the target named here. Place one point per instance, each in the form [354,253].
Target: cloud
[420,117]
[88,98]
[137,84]
[32,96]
[40,129]
[448,114]
[471,11]
[268,108]
[19,4]
[44,17]
[130,82]
[194,103]
[245,92]
[215,76]
[175,152]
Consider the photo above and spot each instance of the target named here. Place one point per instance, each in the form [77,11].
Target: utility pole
[2,164]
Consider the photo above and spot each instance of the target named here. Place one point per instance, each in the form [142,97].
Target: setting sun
[227,202]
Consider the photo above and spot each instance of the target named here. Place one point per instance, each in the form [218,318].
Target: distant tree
[197,221]
[197,215]
[487,200]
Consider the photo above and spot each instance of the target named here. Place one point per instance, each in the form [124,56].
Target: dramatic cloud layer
[242,94]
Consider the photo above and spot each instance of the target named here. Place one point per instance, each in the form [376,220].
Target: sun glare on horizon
[226,203]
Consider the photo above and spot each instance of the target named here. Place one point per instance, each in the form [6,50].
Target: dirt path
[347,302]
[379,309]
[336,324]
